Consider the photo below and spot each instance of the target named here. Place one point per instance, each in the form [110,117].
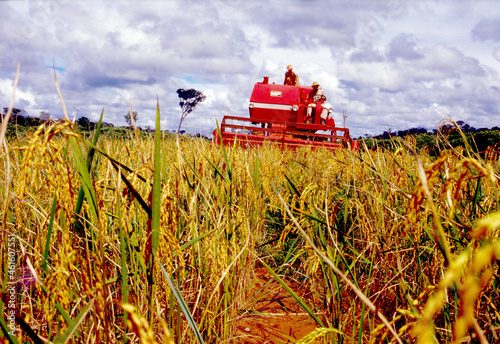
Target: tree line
[189,98]
[447,135]
[445,128]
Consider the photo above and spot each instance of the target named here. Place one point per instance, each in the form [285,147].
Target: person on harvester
[313,97]
[291,78]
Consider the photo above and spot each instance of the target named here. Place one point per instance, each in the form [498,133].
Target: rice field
[153,239]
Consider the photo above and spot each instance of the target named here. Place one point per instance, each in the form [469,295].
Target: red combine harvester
[278,114]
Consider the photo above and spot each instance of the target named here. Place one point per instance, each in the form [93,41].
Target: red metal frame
[248,133]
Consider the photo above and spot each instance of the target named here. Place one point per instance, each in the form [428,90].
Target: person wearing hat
[291,78]
[313,97]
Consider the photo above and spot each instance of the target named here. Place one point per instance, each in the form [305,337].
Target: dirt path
[271,314]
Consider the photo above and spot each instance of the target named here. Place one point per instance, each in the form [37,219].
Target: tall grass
[151,239]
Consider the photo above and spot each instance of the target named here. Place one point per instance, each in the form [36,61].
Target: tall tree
[84,122]
[189,99]
[128,118]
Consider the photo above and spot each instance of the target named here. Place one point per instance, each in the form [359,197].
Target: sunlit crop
[151,239]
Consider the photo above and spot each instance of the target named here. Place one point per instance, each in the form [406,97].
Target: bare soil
[271,314]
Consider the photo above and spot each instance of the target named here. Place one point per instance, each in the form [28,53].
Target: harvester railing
[252,132]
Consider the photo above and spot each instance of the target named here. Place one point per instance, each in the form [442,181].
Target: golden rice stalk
[418,198]
[138,325]
[424,328]
[317,333]
[471,271]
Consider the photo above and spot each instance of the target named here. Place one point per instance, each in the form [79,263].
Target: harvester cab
[287,115]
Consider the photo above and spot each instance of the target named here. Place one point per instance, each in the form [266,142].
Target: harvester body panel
[274,102]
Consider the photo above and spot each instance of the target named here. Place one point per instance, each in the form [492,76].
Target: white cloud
[20,96]
[386,63]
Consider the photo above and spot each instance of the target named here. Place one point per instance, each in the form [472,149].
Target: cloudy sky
[388,64]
